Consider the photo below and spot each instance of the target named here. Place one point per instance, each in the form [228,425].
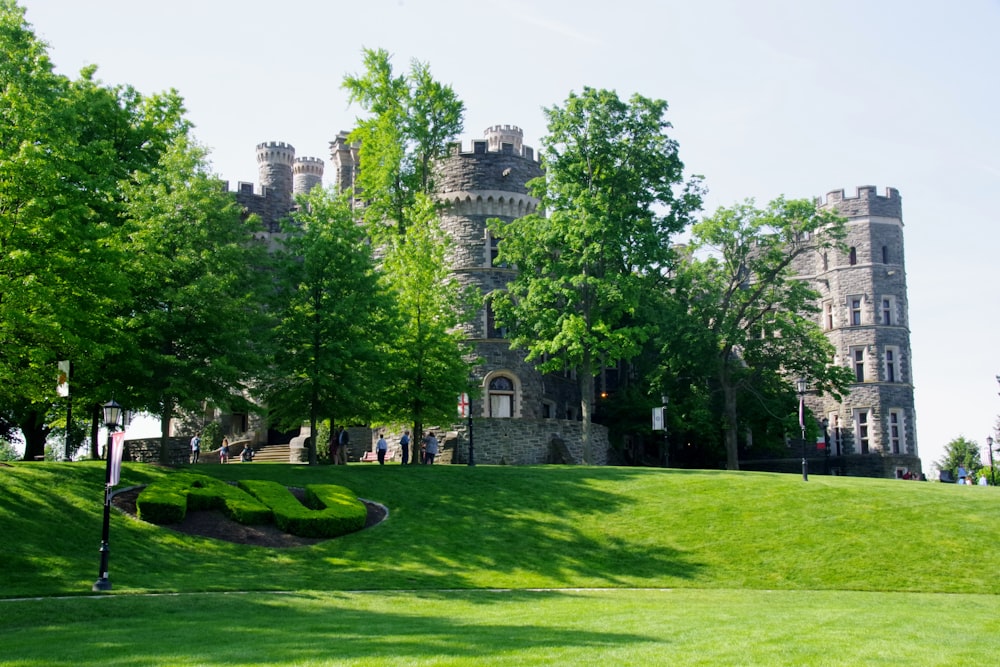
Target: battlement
[483,147]
[867,202]
[308,165]
[276,152]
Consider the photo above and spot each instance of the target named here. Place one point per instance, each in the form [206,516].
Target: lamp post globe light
[800,387]
[112,413]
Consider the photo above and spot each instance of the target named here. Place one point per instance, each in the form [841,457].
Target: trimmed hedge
[332,510]
[167,501]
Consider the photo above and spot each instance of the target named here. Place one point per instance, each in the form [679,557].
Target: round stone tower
[307,173]
[274,170]
[490,182]
[864,312]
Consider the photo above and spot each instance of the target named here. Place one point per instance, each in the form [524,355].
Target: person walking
[195,447]
[430,448]
[404,446]
[343,440]
[381,447]
[224,451]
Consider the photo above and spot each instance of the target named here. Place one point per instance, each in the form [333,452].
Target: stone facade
[489,181]
[863,309]
[282,176]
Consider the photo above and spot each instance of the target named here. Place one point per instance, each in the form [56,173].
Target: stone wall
[527,441]
[147,450]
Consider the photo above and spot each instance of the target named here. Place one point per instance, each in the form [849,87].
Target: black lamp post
[112,413]
[665,400]
[800,386]
[989,446]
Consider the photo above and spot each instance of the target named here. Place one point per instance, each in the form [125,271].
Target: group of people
[246,455]
[428,448]
[339,441]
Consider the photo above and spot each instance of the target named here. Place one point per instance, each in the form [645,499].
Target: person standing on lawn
[430,448]
[404,446]
[195,447]
[381,447]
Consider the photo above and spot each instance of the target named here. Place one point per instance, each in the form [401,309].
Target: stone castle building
[521,416]
[863,308]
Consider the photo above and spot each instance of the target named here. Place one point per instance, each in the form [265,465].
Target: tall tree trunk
[313,428]
[35,432]
[168,413]
[730,420]
[95,429]
[586,403]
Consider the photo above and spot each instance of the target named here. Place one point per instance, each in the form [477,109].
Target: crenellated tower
[345,158]
[307,173]
[863,309]
[274,171]
[490,181]
[281,177]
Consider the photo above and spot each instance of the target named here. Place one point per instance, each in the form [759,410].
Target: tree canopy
[752,329]
[613,193]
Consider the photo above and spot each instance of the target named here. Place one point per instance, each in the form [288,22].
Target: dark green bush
[333,510]
[161,504]
[168,500]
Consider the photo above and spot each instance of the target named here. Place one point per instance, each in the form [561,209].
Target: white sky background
[766,98]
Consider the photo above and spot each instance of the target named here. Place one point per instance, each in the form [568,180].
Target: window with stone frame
[858,363]
[494,244]
[852,256]
[897,436]
[501,396]
[892,363]
[828,315]
[862,436]
[888,309]
[854,304]
[493,330]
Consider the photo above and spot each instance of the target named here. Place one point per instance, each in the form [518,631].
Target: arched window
[501,391]
[852,257]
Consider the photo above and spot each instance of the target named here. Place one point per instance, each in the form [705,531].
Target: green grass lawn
[550,565]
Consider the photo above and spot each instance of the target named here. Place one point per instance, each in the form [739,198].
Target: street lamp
[989,446]
[800,386]
[664,401]
[112,413]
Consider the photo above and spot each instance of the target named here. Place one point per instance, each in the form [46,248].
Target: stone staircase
[263,454]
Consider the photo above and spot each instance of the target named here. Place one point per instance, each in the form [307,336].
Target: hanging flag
[62,386]
[117,449]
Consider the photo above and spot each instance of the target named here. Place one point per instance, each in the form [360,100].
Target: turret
[307,173]
[274,169]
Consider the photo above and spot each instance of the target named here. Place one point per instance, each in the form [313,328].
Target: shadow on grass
[300,629]
[449,527]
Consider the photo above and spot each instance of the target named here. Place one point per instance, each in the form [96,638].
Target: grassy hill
[760,546]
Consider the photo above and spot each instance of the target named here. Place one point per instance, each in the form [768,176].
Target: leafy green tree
[613,193]
[753,325]
[333,321]
[193,325]
[7,451]
[410,120]
[960,452]
[65,146]
[429,358]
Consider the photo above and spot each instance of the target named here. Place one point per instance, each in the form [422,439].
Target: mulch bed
[215,524]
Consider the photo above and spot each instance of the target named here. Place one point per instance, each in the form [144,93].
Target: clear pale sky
[766,98]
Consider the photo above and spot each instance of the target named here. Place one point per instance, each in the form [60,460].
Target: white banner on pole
[658,419]
[117,449]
